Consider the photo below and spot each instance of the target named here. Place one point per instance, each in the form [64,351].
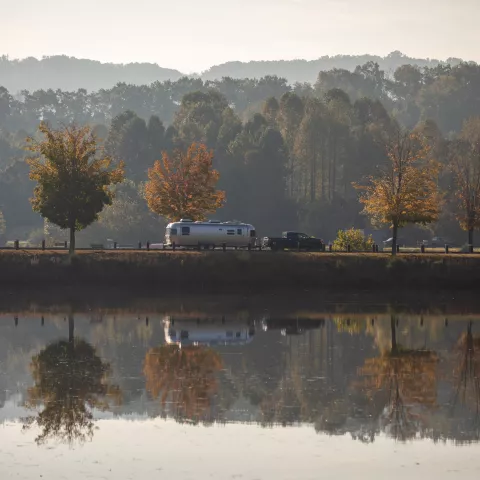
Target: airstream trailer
[211,234]
[188,331]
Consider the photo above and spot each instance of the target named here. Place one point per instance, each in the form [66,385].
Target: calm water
[189,393]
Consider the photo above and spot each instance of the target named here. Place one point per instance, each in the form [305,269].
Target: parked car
[293,240]
[440,242]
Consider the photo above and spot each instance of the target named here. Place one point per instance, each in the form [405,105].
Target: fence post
[349,248]
[446,248]
[470,249]
[43,244]
[398,248]
[148,246]
[224,247]
[66,244]
[114,245]
[16,244]
[173,246]
[422,248]
[139,245]
[330,247]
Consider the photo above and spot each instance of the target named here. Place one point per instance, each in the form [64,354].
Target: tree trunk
[393,329]
[394,239]
[470,236]
[72,240]
[71,329]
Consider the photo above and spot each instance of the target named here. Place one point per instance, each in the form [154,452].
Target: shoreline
[240,272]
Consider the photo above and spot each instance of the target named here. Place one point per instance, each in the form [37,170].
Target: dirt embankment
[239,271]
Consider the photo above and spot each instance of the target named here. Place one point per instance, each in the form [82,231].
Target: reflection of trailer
[188,331]
[187,233]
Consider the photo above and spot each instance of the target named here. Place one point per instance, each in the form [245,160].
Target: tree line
[288,157]
[70,73]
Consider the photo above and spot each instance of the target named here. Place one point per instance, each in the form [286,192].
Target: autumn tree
[73,177]
[184,377]
[182,185]
[70,380]
[406,190]
[465,165]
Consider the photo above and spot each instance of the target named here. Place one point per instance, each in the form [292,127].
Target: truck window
[185,230]
[230,232]
[239,231]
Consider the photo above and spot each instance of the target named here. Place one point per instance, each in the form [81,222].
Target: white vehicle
[187,331]
[211,234]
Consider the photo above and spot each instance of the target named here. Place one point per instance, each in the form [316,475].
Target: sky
[192,35]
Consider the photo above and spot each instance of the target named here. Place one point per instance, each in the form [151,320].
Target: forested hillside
[70,73]
[287,154]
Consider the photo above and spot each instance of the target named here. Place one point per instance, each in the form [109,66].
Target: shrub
[355,238]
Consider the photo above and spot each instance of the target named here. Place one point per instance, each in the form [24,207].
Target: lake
[241,388]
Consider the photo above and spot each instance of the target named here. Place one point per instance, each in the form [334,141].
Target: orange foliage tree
[185,377]
[406,190]
[184,185]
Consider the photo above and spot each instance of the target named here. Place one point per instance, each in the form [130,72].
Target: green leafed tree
[73,177]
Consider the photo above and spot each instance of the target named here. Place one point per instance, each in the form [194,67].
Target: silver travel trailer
[189,331]
[211,234]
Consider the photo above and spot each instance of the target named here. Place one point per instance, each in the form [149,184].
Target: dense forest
[287,153]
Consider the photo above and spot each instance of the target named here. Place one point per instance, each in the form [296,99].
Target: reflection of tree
[350,325]
[70,381]
[406,382]
[466,374]
[184,378]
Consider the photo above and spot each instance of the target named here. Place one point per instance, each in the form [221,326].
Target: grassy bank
[241,271]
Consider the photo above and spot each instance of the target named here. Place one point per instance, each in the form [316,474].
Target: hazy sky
[192,35]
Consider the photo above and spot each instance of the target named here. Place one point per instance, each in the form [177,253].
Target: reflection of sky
[157,449]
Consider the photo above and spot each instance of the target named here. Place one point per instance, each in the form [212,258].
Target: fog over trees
[287,153]
[70,73]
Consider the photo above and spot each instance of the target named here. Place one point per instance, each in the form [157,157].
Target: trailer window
[171,231]
[185,230]
[230,232]
[239,231]
[253,233]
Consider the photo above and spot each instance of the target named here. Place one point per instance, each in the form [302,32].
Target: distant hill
[70,73]
[307,71]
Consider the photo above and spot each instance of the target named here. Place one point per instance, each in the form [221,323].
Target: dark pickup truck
[293,240]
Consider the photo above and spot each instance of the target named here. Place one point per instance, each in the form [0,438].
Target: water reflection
[70,381]
[408,377]
[183,377]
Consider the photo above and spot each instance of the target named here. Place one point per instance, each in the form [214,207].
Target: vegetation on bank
[240,271]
